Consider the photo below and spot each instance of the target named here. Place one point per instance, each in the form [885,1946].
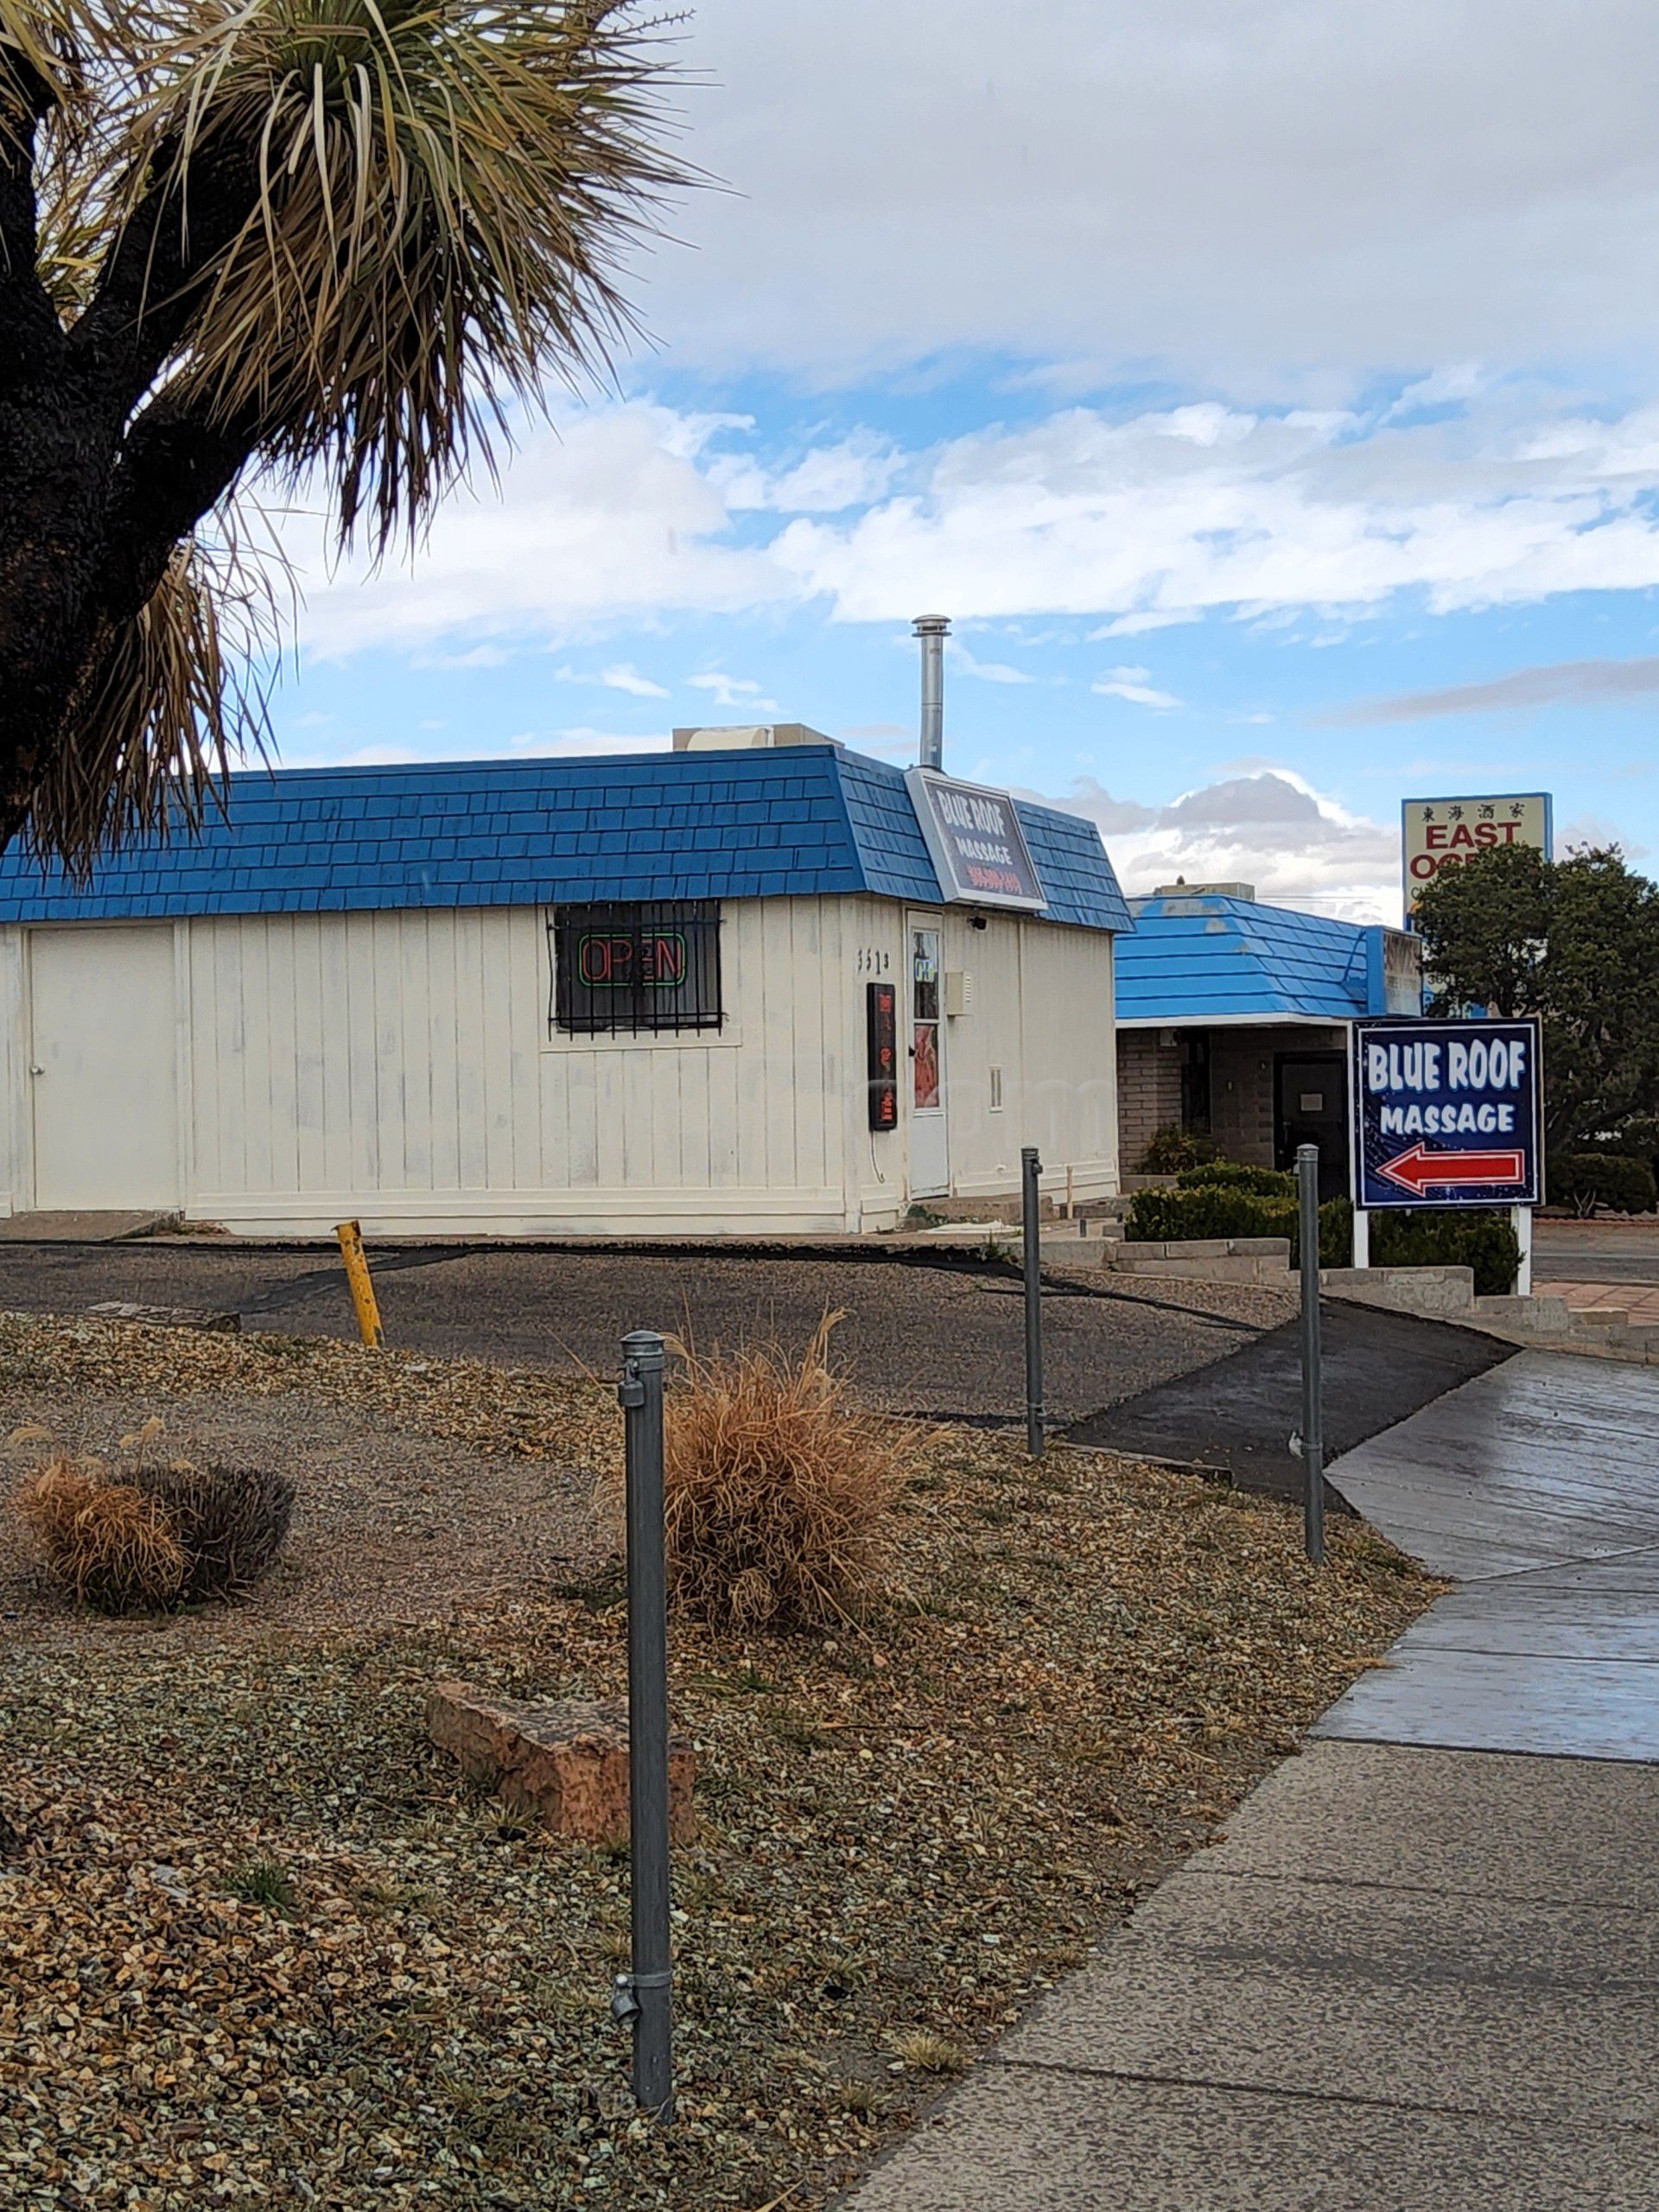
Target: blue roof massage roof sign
[1446,1114]
[974,840]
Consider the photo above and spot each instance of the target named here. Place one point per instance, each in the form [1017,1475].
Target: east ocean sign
[975,844]
[1447,1114]
[1441,833]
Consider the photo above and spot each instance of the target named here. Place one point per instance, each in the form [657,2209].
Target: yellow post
[350,1234]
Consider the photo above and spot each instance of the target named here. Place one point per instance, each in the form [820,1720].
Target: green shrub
[1618,1181]
[1234,1175]
[1204,1210]
[1483,1241]
[1171,1149]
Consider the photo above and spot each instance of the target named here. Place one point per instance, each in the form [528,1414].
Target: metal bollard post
[361,1283]
[1307,1180]
[645,1996]
[1036,1414]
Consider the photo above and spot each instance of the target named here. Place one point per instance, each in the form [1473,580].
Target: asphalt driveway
[943,1337]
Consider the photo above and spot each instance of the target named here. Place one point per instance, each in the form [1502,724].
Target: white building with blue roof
[749,988]
[1233,1021]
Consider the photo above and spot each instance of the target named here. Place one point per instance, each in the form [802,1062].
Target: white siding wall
[398,1067]
[1042,1013]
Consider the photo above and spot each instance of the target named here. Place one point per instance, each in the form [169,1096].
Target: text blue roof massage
[784,823]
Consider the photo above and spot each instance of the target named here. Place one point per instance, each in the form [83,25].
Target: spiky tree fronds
[443,189]
[167,701]
[324,241]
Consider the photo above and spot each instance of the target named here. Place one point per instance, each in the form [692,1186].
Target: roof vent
[932,630]
[1182,889]
[748,737]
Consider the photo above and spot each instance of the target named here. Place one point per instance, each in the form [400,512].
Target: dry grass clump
[778,1492]
[928,2050]
[119,1550]
[149,1538]
[231,1522]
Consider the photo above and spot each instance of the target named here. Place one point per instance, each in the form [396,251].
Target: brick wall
[1148,1091]
[1241,1084]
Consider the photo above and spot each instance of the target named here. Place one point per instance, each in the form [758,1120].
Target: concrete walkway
[1415,1977]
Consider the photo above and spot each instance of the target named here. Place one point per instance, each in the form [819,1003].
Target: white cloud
[581,743]
[1136,626]
[607,517]
[1131,684]
[378,756]
[738,692]
[826,479]
[1273,829]
[1138,522]
[622,676]
[1320,183]
[988,671]
[1263,514]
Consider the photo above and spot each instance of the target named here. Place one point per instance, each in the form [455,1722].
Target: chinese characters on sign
[974,838]
[1442,833]
[1447,1114]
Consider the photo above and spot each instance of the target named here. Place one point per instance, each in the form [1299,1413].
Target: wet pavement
[1537,1486]
[1236,1415]
[1413,1976]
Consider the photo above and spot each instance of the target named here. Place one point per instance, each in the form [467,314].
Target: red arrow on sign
[1417,1169]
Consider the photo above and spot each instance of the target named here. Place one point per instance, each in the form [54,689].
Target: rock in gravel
[167,1317]
[564,1762]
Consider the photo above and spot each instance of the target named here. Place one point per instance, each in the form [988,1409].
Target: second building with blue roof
[1233,1021]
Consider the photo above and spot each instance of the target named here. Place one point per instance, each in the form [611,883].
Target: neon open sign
[625,961]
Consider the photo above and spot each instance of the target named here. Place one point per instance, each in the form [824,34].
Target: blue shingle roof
[1207,956]
[792,821]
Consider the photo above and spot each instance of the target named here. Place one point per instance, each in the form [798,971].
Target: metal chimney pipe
[932,630]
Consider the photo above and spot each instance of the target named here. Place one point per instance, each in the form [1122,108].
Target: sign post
[1307,1193]
[1448,1117]
[643,1996]
[1031,1170]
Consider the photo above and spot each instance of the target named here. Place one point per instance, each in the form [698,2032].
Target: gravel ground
[258,1944]
[946,1340]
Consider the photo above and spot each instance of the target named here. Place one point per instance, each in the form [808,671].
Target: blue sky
[1268,396]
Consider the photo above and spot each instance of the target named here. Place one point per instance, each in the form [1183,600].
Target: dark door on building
[1311,1107]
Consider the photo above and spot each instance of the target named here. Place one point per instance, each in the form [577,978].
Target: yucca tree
[316,243]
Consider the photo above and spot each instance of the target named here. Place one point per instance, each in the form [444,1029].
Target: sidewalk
[1417,1976]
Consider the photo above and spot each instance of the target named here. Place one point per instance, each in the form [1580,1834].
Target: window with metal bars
[635,969]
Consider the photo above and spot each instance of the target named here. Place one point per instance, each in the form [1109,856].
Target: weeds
[149,1538]
[928,2051]
[779,1493]
[263,1882]
[118,1549]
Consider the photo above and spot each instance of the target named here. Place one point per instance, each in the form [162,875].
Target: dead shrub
[231,1522]
[119,1550]
[778,1492]
[148,1539]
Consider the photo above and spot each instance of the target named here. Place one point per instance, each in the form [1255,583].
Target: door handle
[35,1071]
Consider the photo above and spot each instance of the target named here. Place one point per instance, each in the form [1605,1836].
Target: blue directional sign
[1447,1114]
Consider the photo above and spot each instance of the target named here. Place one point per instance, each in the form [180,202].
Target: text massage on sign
[1446,1070]
[980,834]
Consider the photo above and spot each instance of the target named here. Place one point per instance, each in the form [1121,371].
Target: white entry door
[103,1069]
[930,1141]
